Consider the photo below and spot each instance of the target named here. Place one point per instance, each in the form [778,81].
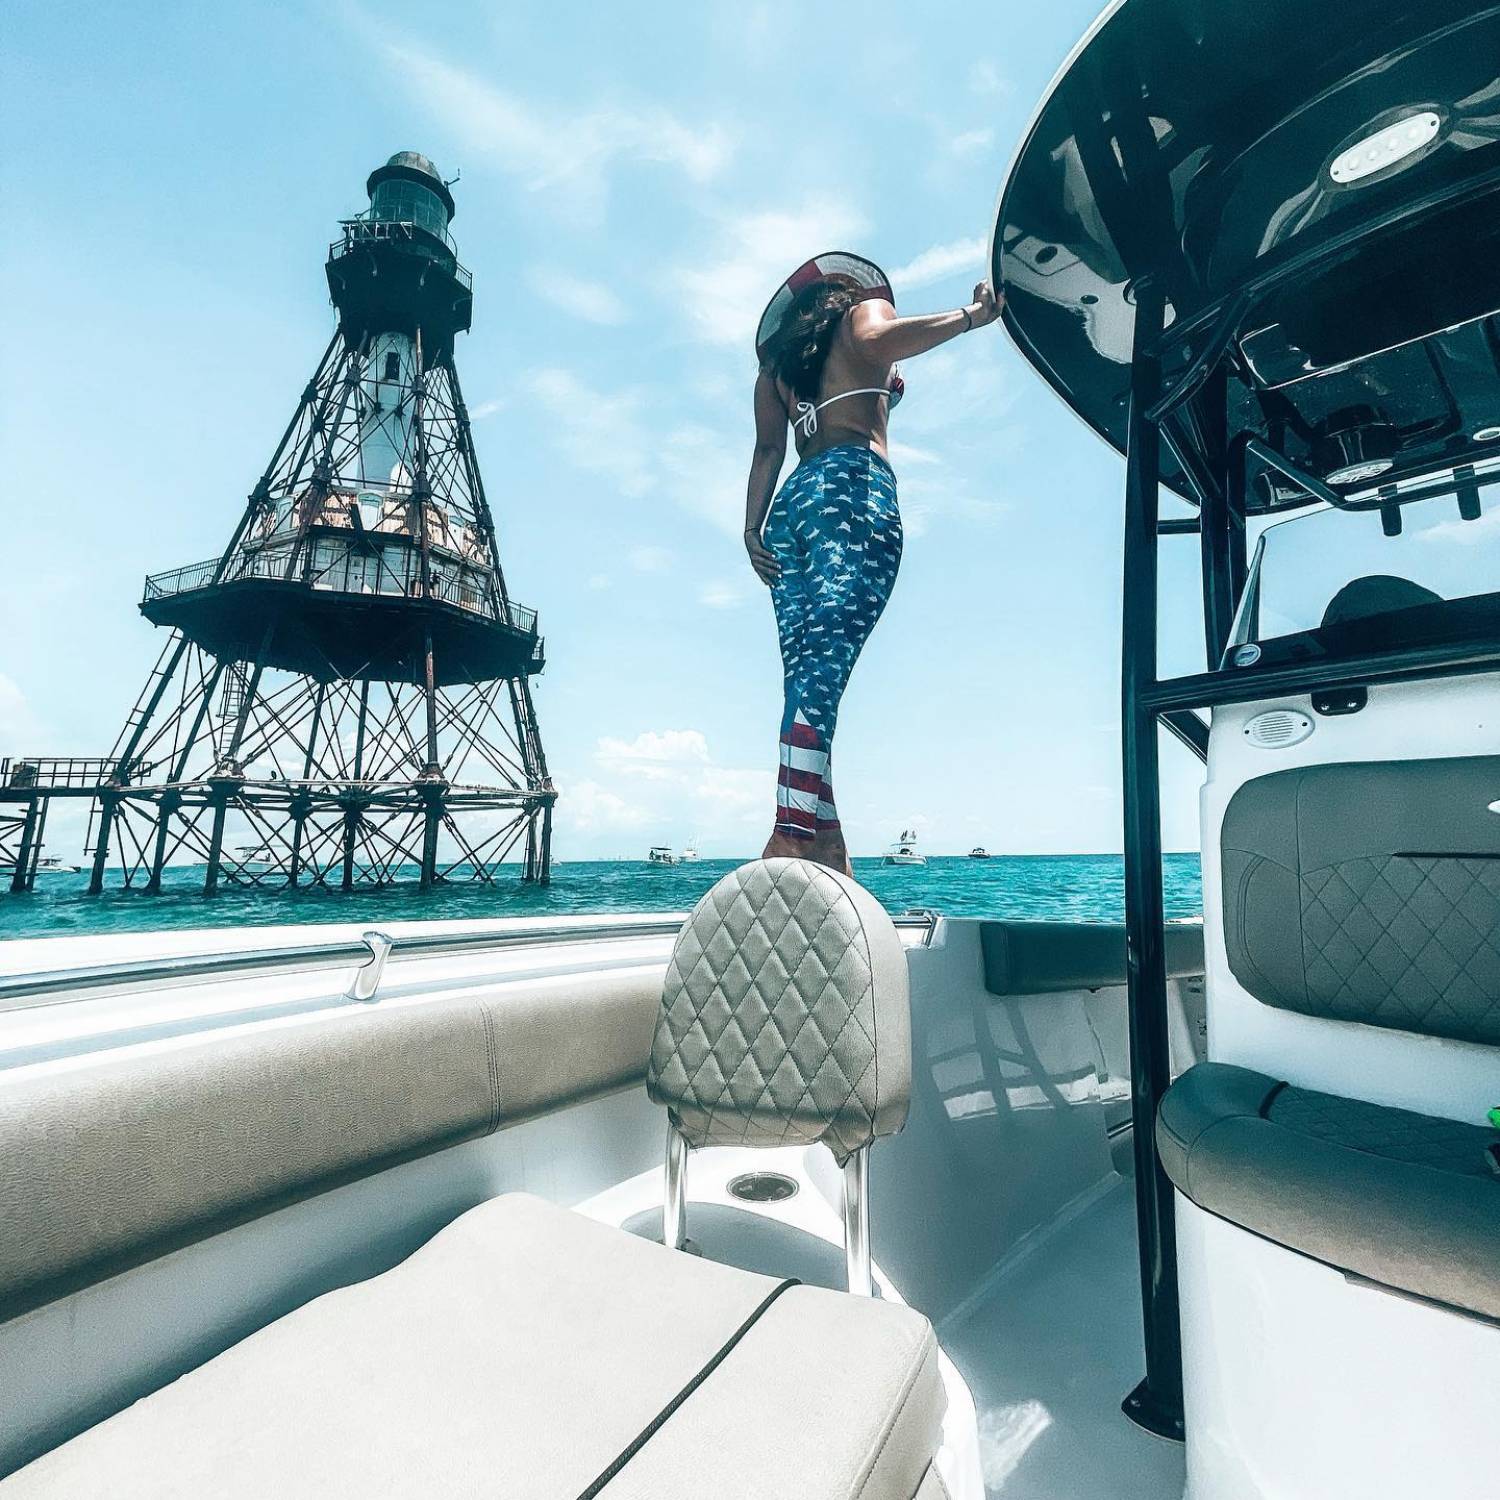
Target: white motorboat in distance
[660,854]
[904,851]
[979,852]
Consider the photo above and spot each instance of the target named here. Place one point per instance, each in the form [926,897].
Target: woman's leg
[794,596]
[848,550]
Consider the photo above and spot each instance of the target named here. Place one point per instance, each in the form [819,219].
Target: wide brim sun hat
[862,275]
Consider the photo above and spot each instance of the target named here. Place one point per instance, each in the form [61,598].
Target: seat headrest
[785,1014]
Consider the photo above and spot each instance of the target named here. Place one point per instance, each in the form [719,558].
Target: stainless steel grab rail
[368,953]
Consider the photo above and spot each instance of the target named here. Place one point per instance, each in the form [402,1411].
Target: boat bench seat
[1404,1200]
[521,1352]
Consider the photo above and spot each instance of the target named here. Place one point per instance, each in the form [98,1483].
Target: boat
[380,1213]
[904,850]
[52,864]
[254,859]
[979,852]
[660,854]
[689,855]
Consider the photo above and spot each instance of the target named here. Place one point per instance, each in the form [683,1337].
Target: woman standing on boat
[828,344]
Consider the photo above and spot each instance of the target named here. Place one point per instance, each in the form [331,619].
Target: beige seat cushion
[517,1354]
[785,1014]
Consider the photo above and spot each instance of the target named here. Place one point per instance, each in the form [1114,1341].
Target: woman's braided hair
[797,354]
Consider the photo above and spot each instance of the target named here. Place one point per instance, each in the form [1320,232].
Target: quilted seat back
[785,1016]
[1370,892]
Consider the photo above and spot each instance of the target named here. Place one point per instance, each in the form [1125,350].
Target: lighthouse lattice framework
[345,699]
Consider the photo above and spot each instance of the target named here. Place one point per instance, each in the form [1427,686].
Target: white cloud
[590,300]
[599,581]
[655,755]
[565,152]
[939,262]
[961,390]
[649,559]
[926,500]
[720,593]
[488,408]
[745,795]
[587,806]
[905,455]
[705,476]
[985,78]
[970,141]
[609,433]
[20,727]
[726,288]
[668,780]
[599,431]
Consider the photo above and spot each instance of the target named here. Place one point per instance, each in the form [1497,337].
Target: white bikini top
[807,414]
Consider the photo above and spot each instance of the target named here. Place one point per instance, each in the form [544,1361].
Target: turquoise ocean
[1076,887]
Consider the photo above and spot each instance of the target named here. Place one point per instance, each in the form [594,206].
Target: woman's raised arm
[885,339]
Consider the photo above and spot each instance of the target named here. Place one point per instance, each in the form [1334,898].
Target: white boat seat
[1403,1200]
[785,1019]
[785,1014]
[521,1352]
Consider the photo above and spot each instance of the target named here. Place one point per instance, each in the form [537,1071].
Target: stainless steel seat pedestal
[857,1222]
[856,1209]
[674,1200]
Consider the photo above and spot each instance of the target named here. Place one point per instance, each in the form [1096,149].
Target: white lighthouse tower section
[387,400]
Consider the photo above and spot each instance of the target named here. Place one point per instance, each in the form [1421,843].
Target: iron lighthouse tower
[345,698]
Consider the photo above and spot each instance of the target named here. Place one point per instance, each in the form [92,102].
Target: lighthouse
[344,697]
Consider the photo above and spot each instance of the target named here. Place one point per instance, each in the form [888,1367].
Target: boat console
[1246,245]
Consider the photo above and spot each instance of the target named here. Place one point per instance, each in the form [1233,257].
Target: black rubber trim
[649,1431]
[1270,1099]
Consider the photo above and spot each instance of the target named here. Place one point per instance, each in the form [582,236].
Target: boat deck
[1050,1353]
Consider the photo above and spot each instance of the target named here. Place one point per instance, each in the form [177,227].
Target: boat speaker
[1277,728]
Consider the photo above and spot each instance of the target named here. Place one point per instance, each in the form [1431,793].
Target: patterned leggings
[835,529]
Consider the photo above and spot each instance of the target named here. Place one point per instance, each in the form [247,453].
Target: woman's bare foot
[787,846]
[829,849]
[826,849]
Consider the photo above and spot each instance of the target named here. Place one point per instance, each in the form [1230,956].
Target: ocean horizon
[1058,887]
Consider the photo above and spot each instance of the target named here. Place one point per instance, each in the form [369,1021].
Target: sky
[633,184]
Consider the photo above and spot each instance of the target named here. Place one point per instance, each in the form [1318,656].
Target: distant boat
[904,850]
[661,854]
[979,852]
[254,859]
[50,864]
[689,856]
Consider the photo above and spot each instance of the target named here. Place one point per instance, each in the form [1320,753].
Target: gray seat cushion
[1369,892]
[785,1014]
[518,1353]
[1402,1199]
[1045,958]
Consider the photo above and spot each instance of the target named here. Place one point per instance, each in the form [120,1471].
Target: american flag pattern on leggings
[836,530]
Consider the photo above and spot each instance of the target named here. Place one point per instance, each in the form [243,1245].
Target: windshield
[1330,567]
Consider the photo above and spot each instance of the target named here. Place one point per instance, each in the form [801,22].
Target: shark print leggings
[836,531]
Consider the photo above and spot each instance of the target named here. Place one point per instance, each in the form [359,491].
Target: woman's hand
[985,307]
[762,559]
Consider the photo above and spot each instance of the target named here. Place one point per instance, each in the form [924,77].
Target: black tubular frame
[1192,421]
[1156,1403]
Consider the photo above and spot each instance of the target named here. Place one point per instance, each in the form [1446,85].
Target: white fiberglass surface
[1049,1355]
